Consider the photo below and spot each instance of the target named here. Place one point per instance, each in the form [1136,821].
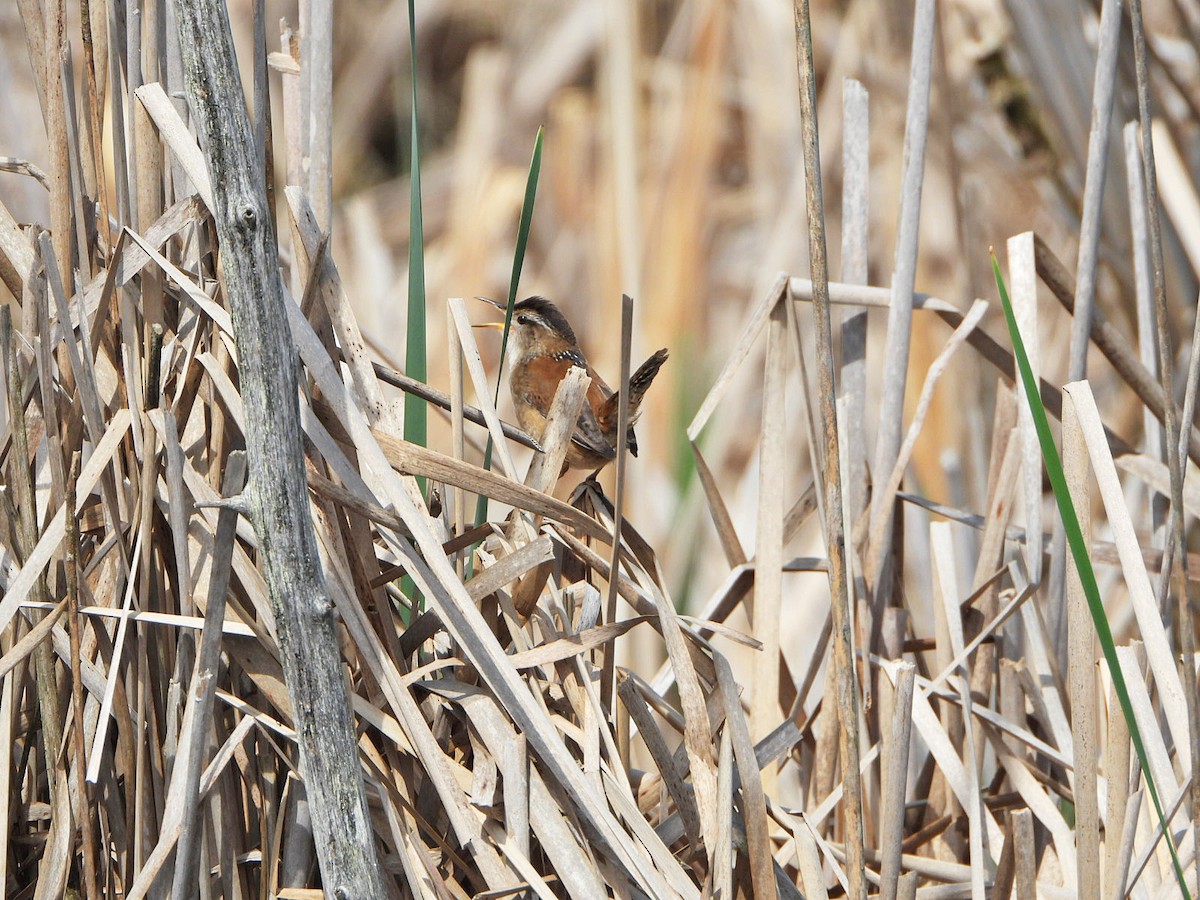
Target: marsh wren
[542,348]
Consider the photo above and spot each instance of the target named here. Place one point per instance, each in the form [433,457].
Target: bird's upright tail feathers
[639,382]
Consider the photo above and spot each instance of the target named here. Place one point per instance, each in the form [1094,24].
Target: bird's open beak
[497,325]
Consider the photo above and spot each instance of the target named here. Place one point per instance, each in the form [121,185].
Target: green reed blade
[531,183]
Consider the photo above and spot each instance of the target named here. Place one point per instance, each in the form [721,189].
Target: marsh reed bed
[896,600]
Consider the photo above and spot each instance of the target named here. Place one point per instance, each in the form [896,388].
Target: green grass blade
[415,363]
[1083,563]
[531,184]
[416,424]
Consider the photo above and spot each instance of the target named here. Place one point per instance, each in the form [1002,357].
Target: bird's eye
[522,320]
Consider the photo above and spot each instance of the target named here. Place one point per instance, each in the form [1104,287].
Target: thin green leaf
[531,183]
[415,363]
[416,424]
[1083,563]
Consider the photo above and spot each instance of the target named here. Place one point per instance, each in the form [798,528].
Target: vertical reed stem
[835,538]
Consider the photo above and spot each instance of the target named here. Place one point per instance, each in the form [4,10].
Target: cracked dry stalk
[276,495]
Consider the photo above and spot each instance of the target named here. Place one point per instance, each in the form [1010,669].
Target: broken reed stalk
[1081,639]
[275,495]
[835,535]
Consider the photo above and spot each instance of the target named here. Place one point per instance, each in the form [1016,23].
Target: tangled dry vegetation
[527,722]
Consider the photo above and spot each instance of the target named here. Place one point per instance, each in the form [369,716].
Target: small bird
[542,348]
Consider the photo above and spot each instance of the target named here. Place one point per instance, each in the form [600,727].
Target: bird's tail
[639,383]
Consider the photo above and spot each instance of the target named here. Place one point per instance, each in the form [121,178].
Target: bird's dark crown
[548,313]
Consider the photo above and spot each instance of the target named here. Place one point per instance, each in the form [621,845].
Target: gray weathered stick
[276,491]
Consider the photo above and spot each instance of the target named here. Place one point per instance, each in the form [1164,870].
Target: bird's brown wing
[589,431]
[542,377]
